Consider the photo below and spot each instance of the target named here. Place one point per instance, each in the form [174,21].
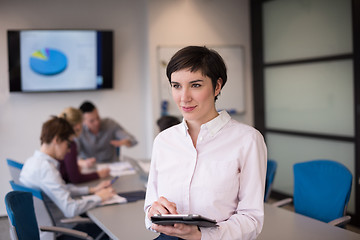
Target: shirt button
[201,138]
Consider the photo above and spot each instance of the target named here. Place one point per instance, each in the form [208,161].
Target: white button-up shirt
[223,178]
[41,172]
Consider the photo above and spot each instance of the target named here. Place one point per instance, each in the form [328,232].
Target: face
[77,129]
[92,120]
[61,148]
[194,95]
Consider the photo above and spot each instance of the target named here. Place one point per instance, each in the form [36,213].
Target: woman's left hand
[189,232]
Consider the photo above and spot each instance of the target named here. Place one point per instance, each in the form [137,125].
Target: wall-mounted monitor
[60,60]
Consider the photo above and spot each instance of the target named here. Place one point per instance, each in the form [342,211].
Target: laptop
[141,166]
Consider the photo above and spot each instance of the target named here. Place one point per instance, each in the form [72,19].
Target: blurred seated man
[100,138]
[167,121]
[41,171]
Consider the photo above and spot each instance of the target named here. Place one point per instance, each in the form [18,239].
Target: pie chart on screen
[47,61]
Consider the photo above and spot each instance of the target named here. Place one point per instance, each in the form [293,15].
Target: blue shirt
[98,146]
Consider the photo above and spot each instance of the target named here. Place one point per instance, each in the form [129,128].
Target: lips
[188,109]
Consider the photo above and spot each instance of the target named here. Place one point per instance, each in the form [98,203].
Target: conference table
[126,221]
[281,223]
[122,221]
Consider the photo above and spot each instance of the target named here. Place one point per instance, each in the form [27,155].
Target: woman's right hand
[105,193]
[162,206]
[87,163]
[103,173]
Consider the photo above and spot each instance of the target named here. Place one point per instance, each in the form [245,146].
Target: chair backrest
[270,176]
[20,209]
[15,169]
[42,213]
[321,189]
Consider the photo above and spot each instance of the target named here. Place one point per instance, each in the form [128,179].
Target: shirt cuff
[133,142]
[94,198]
[147,220]
[84,190]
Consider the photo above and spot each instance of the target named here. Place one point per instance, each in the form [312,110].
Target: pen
[114,180]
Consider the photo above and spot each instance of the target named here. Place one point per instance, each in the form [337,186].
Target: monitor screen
[60,60]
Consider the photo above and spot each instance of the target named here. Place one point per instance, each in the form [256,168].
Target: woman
[210,164]
[69,168]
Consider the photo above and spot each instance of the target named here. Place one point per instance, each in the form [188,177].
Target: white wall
[21,115]
[139,26]
[200,22]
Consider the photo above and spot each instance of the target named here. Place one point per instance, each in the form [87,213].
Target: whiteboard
[232,97]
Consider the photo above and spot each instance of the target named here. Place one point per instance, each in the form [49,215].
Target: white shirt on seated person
[41,172]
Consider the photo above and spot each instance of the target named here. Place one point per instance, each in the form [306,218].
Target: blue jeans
[166,237]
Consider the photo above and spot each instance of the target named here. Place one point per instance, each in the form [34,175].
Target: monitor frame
[106,59]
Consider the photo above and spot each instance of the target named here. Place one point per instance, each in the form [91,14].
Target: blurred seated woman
[69,168]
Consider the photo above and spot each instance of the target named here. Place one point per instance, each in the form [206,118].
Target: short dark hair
[195,58]
[56,127]
[87,106]
[167,121]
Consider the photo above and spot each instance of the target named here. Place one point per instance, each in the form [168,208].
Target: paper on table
[115,199]
[145,165]
[118,168]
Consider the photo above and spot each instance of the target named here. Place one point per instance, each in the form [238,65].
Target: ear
[56,140]
[219,83]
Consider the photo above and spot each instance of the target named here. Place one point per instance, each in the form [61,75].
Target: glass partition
[316,98]
[294,29]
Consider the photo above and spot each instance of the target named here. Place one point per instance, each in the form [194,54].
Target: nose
[185,95]
[97,122]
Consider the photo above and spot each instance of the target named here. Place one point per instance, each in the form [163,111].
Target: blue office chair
[20,209]
[42,213]
[322,190]
[15,169]
[270,176]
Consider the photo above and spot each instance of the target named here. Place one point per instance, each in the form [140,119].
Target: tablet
[191,219]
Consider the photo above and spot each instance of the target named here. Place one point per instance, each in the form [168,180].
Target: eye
[196,85]
[175,85]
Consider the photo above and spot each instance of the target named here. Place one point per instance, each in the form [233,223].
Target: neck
[196,124]
[194,127]
[47,149]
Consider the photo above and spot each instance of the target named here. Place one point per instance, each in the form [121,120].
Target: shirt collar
[214,125]
[87,130]
[185,126]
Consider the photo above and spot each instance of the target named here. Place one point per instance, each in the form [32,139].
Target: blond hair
[72,115]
